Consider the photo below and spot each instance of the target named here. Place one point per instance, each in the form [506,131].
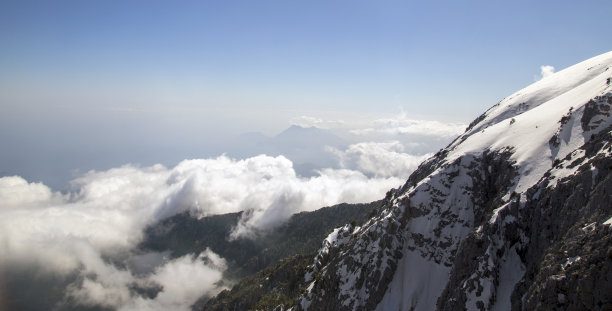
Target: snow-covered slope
[527,119]
[460,233]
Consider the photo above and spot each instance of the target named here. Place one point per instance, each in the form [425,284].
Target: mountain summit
[514,214]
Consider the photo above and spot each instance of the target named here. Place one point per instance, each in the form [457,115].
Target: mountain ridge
[422,251]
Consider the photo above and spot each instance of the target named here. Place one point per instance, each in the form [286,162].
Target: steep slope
[277,268]
[511,215]
[184,234]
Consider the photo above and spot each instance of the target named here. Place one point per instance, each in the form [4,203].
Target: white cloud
[183,281]
[109,209]
[546,71]
[180,282]
[379,159]
[17,192]
[308,121]
[273,202]
[105,215]
[101,284]
[404,126]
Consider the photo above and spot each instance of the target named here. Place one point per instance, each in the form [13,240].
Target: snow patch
[588,227]
[416,285]
[570,261]
[510,273]
[536,111]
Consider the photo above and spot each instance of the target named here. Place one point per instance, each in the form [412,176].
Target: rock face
[569,251]
[515,214]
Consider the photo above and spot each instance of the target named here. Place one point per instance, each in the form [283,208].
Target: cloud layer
[16,192]
[177,283]
[93,230]
[406,126]
[379,159]
[308,121]
[88,236]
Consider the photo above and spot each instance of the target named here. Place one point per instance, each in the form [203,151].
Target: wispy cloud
[183,281]
[308,121]
[84,235]
[403,125]
[545,71]
[179,283]
[275,201]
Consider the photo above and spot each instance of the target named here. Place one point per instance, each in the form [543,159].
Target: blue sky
[107,78]
[370,56]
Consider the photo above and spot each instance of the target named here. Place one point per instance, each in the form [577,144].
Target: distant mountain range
[304,146]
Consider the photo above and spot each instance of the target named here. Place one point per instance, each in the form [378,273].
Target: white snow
[416,285]
[523,124]
[305,301]
[558,277]
[589,227]
[332,237]
[348,286]
[570,261]
[608,222]
[510,273]
[545,90]
[537,110]
[337,237]
[495,213]
[558,173]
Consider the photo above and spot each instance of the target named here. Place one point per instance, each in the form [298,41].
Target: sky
[97,84]
[115,115]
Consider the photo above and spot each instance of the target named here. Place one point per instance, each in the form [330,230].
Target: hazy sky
[131,80]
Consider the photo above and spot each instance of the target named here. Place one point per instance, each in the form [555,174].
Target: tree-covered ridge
[278,285]
[288,248]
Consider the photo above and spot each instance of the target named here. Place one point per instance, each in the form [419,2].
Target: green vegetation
[301,234]
[277,285]
[271,266]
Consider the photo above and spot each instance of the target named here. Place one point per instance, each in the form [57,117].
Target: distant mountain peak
[300,129]
[306,137]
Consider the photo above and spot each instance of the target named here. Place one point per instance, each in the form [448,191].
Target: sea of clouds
[88,236]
